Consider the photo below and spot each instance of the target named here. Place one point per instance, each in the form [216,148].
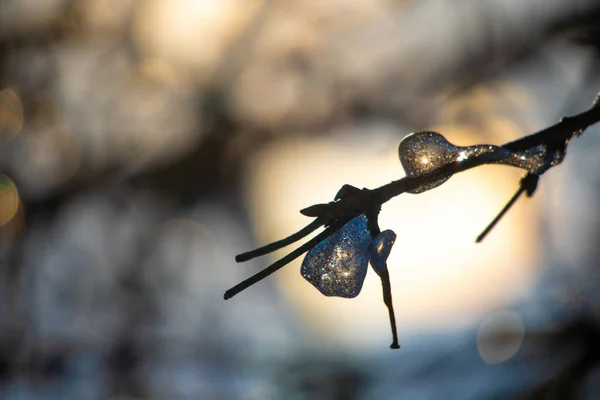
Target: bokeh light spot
[500,336]
[191,35]
[12,216]
[11,114]
[9,200]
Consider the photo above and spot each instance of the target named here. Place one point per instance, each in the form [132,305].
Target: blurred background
[145,143]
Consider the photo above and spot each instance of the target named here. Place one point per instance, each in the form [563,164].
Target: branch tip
[495,221]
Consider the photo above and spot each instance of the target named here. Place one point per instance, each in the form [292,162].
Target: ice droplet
[337,266]
[423,152]
[379,250]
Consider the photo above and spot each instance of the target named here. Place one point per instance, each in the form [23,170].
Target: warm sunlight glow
[439,276]
[194,34]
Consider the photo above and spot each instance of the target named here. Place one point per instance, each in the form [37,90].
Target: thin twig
[508,205]
[271,247]
[387,299]
[283,261]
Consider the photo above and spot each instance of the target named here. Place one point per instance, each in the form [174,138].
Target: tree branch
[351,202]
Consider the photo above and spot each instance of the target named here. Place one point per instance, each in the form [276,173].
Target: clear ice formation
[423,152]
[380,249]
[337,266]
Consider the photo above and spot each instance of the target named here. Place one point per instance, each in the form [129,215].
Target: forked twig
[283,261]
[351,202]
[528,184]
[271,247]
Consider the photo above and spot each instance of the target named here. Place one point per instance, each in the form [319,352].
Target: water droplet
[379,250]
[337,266]
[423,152]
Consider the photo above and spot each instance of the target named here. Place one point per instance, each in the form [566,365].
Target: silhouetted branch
[352,201]
[269,248]
[546,149]
[283,261]
[528,184]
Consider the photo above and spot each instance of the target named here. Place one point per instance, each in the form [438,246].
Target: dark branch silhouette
[551,143]
[528,184]
[271,247]
[281,262]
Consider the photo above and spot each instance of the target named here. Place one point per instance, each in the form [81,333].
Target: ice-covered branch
[337,257]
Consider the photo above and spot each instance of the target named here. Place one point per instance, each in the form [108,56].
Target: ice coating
[337,266]
[423,152]
[379,250]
